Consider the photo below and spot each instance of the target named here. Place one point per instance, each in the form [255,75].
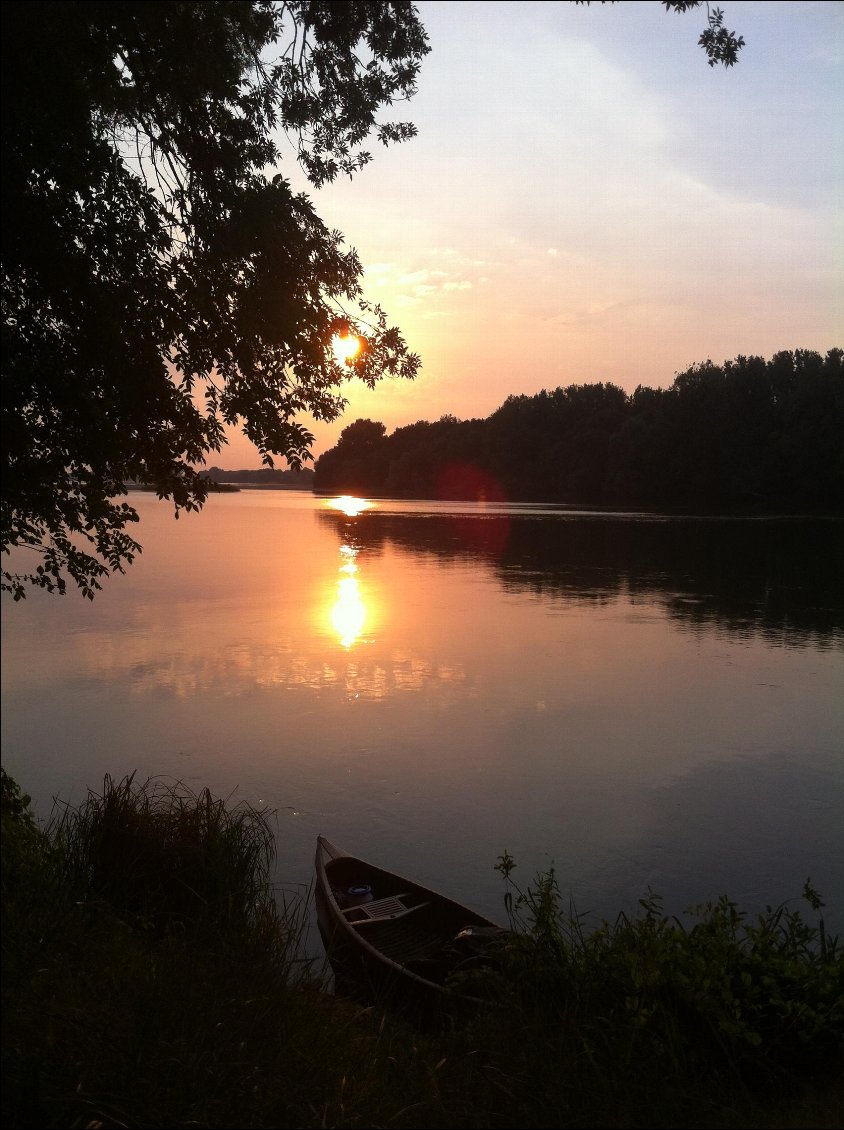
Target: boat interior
[405,923]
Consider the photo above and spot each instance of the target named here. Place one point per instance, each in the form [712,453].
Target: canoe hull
[388,938]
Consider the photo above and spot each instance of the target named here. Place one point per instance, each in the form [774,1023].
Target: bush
[653,1004]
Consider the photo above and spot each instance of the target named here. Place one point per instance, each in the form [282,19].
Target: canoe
[388,938]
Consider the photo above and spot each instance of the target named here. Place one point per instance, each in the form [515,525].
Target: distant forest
[265,477]
[748,434]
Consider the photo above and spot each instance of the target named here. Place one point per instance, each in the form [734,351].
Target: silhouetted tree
[158,282]
[748,434]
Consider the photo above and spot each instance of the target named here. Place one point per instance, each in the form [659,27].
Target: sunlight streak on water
[349,612]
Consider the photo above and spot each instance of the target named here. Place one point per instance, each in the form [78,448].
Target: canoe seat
[402,941]
[380,909]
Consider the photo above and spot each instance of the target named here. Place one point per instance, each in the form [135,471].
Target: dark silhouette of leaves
[158,282]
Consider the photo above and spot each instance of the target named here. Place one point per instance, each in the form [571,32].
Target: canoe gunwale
[396,928]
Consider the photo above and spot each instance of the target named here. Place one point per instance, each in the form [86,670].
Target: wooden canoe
[387,937]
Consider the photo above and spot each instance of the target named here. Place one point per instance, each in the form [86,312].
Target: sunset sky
[587,201]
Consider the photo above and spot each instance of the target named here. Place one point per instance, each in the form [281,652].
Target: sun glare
[349,505]
[346,348]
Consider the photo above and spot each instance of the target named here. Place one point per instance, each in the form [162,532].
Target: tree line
[747,434]
[301,479]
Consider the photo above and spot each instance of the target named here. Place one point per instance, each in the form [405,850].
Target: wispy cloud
[408,287]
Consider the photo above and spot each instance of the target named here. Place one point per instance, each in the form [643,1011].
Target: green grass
[161,854]
[655,1020]
[151,978]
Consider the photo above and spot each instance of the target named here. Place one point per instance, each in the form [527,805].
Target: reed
[152,977]
[159,852]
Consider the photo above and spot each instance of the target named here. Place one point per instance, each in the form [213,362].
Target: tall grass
[152,978]
[160,853]
[144,951]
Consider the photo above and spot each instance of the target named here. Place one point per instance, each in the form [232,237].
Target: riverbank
[151,979]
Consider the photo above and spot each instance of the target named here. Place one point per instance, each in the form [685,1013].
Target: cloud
[404,287]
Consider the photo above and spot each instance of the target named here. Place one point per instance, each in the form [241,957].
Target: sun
[346,348]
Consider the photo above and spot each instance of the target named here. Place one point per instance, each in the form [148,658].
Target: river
[641,701]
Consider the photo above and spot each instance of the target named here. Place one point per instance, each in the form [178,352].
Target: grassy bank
[151,979]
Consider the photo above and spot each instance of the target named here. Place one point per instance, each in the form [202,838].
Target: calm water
[641,701]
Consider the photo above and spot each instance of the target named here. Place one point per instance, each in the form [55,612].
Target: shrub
[718,996]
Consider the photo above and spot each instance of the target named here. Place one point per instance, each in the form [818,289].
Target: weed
[151,978]
[160,853]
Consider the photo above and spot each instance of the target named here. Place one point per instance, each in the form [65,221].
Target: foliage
[25,846]
[749,434]
[149,949]
[720,45]
[752,1001]
[118,1012]
[160,279]
[14,804]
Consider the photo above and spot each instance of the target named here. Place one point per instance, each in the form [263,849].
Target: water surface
[643,701]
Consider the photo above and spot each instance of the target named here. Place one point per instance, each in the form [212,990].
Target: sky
[587,200]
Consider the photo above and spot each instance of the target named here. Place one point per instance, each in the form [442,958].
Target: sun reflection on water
[349,505]
[349,612]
